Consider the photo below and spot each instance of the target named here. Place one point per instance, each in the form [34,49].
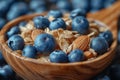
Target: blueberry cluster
[58,56]
[110,73]
[46,44]
[6,72]
[12,9]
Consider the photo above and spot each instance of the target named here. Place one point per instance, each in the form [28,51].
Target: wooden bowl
[31,69]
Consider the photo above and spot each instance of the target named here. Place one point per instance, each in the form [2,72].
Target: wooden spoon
[32,69]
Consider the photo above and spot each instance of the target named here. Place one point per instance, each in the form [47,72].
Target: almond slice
[82,42]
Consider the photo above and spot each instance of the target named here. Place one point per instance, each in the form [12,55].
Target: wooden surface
[30,69]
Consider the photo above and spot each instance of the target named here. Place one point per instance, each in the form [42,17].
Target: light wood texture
[30,69]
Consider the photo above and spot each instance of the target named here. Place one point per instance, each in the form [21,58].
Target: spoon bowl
[31,69]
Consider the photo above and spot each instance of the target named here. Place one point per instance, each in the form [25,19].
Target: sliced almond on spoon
[82,42]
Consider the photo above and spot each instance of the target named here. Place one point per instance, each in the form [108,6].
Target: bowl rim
[30,16]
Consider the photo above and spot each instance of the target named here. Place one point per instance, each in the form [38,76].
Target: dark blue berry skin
[115,72]
[45,43]
[21,6]
[108,3]
[108,36]
[2,23]
[29,51]
[64,5]
[3,75]
[16,42]
[41,22]
[55,13]
[6,73]
[80,24]
[105,77]
[17,9]
[40,9]
[22,24]
[75,55]
[118,23]
[82,4]
[34,4]
[4,6]
[58,56]
[77,12]
[12,15]
[97,4]
[14,30]
[57,23]
[2,60]
[99,44]
[53,1]
[119,36]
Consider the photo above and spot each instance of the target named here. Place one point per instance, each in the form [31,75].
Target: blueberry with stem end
[45,43]
[80,24]
[16,42]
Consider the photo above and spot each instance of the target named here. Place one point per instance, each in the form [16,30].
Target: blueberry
[14,30]
[2,23]
[80,24]
[21,6]
[115,72]
[40,10]
[9,70]
[99,44]
[4,6]
[45,43]
[64,5]
[97,4]
[77,12]
[108,3]
[16,42]
[55,13]
[105,77]
[58,56]
[6,73]
[57,23]
[119,36]
[2,60]
[53,1]
[108,36]
[11,2]
[12,15]
[22,24]
[75,55]
[41,22]
[29,51]
[34,4]
[3,75]
[82,4]
[17,9]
